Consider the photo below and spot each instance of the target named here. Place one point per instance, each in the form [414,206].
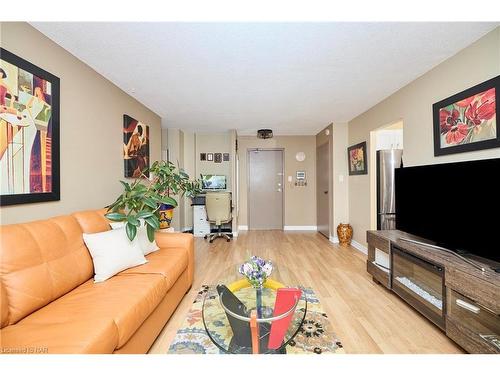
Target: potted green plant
[143,199]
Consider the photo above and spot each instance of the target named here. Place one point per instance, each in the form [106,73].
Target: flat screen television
[455,205]
[213,182]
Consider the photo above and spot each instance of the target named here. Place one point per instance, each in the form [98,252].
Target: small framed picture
[210,156]
[218,157]
[357,159]
[203,156]
[225,156]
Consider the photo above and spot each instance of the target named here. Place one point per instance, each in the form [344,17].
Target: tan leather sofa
[50,303]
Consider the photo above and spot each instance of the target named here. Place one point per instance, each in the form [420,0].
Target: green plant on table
[141,200]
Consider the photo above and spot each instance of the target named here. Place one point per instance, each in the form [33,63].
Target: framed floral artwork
[467,121]
[356,155]
[29,132]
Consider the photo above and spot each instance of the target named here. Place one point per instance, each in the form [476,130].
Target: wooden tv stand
[468,303]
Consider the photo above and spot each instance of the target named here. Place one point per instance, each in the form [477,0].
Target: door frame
[282,149]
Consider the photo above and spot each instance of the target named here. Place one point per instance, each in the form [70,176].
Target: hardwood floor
[366,317]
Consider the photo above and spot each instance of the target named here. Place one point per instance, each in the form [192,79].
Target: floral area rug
[315,336]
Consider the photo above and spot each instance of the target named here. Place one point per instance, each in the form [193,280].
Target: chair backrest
[218,205]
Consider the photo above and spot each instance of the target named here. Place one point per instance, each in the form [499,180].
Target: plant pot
[344,233]
[166,212]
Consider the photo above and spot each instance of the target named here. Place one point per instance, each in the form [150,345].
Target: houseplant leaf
[153,221]
[131,231]
[132,219]
[151,233]
[115,216]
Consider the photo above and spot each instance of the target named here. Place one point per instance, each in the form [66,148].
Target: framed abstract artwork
[225,156]
[217,157]
[467,121]
[135,148]
[357,159]
[29,132]
[210,156]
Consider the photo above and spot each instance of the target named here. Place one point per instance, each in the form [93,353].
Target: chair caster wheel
[228,240]
[211,241]
[205,236]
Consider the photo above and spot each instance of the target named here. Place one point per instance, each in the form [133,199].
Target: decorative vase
[166,212]
[258,300]
[344,233]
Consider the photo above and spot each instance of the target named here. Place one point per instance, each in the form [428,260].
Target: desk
[201,226]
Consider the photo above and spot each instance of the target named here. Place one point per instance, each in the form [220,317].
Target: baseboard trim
[235,234]
[300,227]
[334,239]
[287,227]
[359,247]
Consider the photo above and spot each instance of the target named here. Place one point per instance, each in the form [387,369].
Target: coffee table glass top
[222,319]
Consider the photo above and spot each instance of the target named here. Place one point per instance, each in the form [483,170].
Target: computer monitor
[213,182]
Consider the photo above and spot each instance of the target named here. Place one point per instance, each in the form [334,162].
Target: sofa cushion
[92,221]
[147,246]
[41,261]
[126,299]
[170,263]
[75,337]
[112,252]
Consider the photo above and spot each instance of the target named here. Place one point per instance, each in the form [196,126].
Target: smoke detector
[264,133]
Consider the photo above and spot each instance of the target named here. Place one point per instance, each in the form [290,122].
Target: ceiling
[294,78]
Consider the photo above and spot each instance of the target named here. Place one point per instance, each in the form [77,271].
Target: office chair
[218,206]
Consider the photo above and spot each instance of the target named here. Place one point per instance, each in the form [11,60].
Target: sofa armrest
[166,240]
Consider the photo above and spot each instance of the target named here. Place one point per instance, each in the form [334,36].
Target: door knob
[279,190]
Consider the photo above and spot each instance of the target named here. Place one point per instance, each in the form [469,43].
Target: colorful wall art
[135,148]
[467,121]
[29,132]
[357,159]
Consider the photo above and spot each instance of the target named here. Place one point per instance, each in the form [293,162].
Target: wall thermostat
[300,175]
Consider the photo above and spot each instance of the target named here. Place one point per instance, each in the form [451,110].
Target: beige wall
[175,155]
[92,110]
[234,177]
[212,143]
[184,148]
[340,176]
[413,104]
[189,165]
[300,202]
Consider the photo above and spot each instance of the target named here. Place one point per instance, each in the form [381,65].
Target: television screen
[213,182]
[455,205]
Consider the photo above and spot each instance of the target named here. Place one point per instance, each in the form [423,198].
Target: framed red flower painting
[467,121]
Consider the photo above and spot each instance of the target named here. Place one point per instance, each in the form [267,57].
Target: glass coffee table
[229,325]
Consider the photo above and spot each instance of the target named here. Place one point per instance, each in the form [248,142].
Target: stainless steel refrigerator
[387,162]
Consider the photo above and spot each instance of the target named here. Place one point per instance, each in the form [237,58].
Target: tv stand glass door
[420,283]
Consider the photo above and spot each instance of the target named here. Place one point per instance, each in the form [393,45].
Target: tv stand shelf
[470,299]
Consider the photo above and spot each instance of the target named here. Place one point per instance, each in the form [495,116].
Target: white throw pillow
[147,246]
[112,252]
